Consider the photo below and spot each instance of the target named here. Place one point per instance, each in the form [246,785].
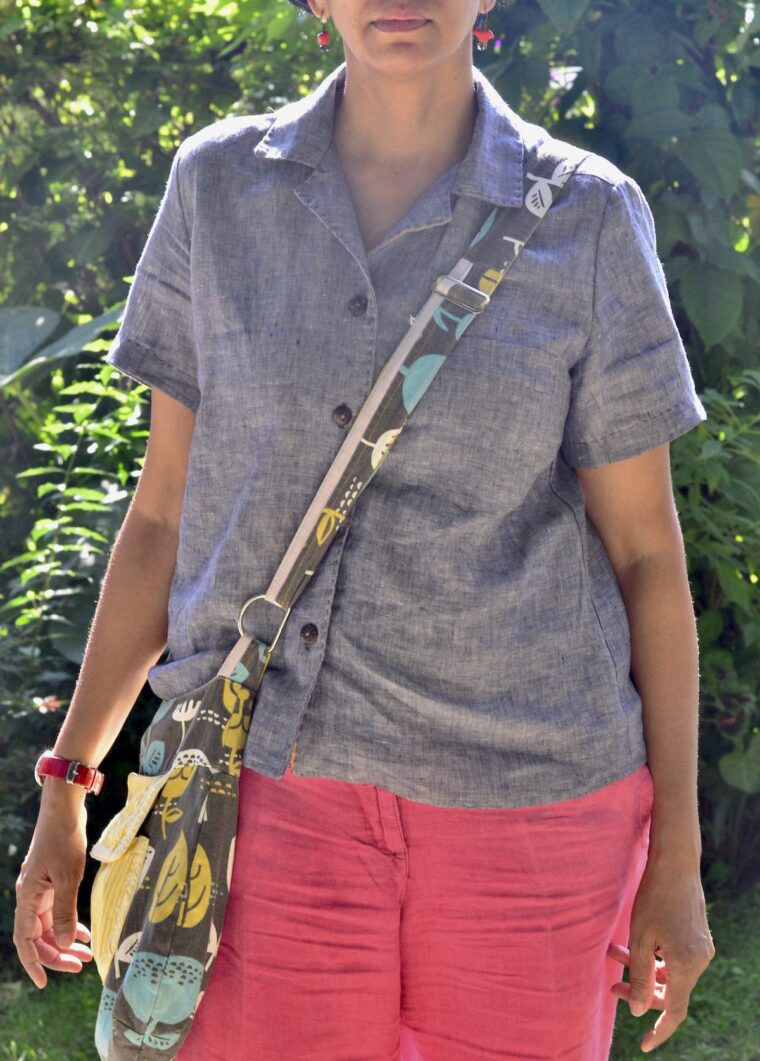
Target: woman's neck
[401,125]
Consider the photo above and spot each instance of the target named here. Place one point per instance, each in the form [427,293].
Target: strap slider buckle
[263,596]
[465,295]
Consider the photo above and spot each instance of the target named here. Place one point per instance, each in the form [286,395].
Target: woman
[465,811]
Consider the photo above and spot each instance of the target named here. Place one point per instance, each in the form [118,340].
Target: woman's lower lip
[394,25]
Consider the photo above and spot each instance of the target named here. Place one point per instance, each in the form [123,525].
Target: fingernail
[638,1007]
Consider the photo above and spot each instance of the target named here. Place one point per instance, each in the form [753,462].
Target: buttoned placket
[326,194]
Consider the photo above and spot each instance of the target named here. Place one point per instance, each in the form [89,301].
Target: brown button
[357,306]
[309,633]
[341,415]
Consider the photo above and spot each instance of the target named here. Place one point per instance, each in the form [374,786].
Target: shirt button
[357,306]
[341,415]
[309,633]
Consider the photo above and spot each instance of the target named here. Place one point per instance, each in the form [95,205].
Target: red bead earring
[481,34]
[324,40]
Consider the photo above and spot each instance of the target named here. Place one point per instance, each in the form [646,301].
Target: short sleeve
[155,343]
[632,387]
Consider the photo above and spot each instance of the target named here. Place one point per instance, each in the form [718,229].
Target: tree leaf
[69,345]
[90,243]
[715,157]
[565,14]
[741,769]
[22,329]
[713,299]
[735,588]
[660,125]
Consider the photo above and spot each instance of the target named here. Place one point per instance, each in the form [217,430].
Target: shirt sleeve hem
[639,437]
[149,368]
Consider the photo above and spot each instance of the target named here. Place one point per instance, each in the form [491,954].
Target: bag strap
[455,301]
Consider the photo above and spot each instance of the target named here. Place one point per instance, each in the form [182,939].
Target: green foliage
[716,475]
[79,495]
[84,439]
[23,328]
[94,100]
[55,1024]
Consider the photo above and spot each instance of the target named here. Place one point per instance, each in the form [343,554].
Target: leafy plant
[94,100]
[716,475]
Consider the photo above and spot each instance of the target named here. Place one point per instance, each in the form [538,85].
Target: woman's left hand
[670,947]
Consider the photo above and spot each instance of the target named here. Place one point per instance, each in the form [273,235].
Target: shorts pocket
[646,796]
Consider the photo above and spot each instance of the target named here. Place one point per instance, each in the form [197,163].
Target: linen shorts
[363,926]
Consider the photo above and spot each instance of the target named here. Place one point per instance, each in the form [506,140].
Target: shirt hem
[150,369]
[640,437]
[410,792]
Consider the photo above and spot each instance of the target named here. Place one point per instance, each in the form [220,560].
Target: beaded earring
[481,34]
[324,38]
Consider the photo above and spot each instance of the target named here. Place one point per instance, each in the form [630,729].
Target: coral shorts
[362,926]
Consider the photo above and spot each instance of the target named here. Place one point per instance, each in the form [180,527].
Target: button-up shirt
[464,642]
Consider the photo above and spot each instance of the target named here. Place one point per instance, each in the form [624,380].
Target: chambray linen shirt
[464,642]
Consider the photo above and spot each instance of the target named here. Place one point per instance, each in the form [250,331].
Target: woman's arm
[630,502]
[128,632]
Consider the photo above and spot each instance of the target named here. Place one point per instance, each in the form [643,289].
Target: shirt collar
[492,169]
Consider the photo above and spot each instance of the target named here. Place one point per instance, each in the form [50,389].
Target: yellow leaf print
[235,697]
[193,908]
[327,523]
[170,882]
[174,786]
[490,280]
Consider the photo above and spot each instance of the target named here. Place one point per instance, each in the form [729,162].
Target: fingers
[666,1024]
[25,931]
[670,991]
[641,978]
[622,989]
[686,967]
[45,922]
[44,951]
[50,952]
[65,913]
[622,955]
[35,940]
[28,928]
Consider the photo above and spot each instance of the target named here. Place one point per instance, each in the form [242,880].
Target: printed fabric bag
[159,896]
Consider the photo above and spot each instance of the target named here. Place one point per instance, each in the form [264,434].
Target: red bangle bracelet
[70,770]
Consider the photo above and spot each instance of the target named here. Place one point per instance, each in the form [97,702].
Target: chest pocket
[524,363]
[491,422]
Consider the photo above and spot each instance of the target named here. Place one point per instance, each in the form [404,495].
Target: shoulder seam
[599,177]
[258,123]
[596,257]
[175,168]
